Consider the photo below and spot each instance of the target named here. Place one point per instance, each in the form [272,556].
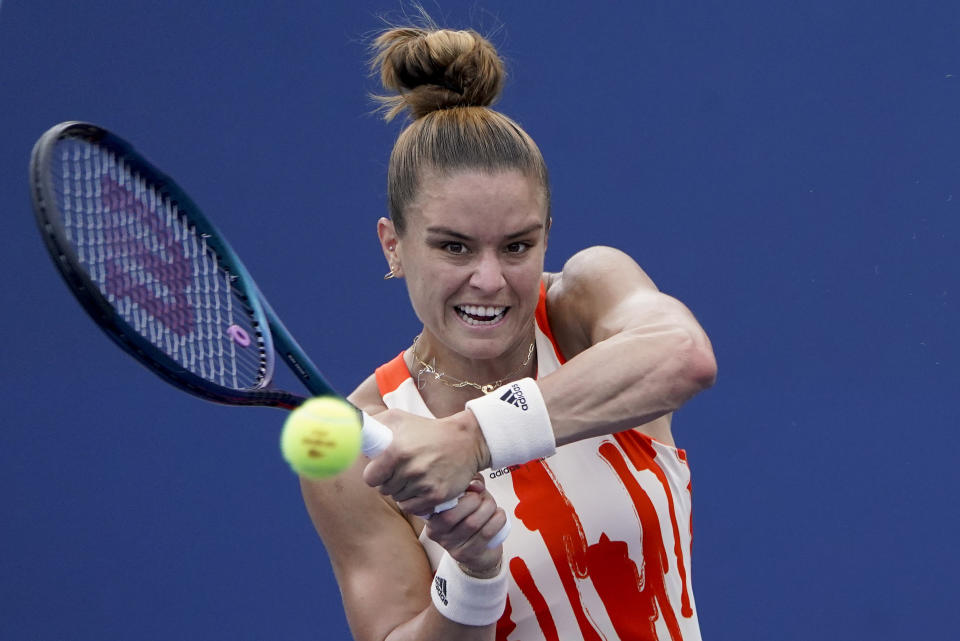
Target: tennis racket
[161,281]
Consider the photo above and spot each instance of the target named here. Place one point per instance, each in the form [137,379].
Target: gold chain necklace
[431,369]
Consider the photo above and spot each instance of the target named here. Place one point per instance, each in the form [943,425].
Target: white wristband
[515,423]
[466,599]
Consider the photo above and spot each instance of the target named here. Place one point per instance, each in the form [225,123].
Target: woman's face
[472,254]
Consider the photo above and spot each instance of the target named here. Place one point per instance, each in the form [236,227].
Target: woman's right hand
[465,530]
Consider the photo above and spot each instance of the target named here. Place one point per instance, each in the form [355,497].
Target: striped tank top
[600,545]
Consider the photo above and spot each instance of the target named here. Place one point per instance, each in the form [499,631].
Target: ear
[389,241]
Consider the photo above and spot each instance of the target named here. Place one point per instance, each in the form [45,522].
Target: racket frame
[270,331]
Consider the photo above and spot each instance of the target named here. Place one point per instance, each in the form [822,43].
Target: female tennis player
[545,396]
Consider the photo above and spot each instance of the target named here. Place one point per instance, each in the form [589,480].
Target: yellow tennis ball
[321,437]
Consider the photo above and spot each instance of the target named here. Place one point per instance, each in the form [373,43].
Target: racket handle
[377,438]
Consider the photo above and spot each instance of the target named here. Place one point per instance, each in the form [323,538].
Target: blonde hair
[446,81]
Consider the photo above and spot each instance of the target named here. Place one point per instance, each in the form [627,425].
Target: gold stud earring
[391,274]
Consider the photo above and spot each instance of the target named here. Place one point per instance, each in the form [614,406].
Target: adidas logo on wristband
[466,599]
[440,584]
[514,396]
[514,437]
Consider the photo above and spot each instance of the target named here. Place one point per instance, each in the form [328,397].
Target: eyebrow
[446,231]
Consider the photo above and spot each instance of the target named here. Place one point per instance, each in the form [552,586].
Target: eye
[518,248]
[454,247]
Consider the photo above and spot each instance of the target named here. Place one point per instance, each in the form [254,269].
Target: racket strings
[155,268]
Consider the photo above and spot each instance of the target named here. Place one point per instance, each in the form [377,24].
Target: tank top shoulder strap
[391,375]
[543,323]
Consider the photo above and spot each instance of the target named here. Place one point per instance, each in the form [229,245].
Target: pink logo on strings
[172,269]
[239,335]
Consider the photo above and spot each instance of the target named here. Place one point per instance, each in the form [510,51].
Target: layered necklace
[430,369]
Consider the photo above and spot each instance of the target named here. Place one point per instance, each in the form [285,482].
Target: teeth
[480,315]
[477,310]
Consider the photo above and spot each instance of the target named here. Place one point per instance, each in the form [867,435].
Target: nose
[487,273]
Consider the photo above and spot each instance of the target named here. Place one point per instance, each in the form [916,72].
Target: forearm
[465,604]
[621,382]
[396,602]
[627,380]
[430,625]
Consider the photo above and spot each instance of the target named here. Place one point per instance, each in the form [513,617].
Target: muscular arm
[635,354]
[382,570]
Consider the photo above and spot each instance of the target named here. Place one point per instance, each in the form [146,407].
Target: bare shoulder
[599,265]
[592,283]
[367,396]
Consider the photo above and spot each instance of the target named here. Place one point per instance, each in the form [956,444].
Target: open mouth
[480,315]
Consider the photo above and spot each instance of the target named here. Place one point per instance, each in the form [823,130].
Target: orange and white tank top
[600,545]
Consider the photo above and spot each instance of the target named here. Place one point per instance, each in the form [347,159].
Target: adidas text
[504,470]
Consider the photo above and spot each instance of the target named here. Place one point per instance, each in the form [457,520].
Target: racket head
[150,269]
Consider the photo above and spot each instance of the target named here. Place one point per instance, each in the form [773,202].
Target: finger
[410,487]
[403,485]
[398,488]
[443,523]
[380,469]
[429,512]
[465,522]
[418,497]
[434,509]
[487,532]
[473,523]
[477,552]
[502,534]
[423,502]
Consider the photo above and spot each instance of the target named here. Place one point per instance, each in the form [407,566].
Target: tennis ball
[321,437]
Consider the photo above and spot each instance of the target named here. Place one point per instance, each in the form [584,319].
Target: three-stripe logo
[514,396]
[440,584]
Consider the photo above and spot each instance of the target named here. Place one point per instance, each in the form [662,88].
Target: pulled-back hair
[446,80]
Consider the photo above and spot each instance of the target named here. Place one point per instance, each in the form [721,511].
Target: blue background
[789,169]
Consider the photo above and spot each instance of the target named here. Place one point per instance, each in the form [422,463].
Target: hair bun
[432,69]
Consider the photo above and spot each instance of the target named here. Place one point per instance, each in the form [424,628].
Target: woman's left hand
[465,531]
[429,461]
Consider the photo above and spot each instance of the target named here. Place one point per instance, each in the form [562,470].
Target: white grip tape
[466,599]
[376,437]
[515,424]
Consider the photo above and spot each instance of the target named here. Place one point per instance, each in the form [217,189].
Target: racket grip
[376,437]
